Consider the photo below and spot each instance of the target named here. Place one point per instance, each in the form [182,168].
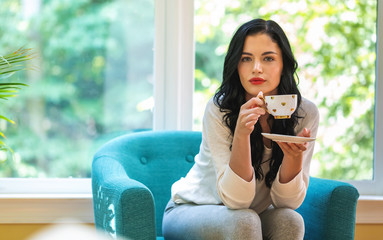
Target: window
[335,46]
[170,23]
[94,81]
[123,35]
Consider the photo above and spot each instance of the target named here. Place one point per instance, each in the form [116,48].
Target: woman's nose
[257,67]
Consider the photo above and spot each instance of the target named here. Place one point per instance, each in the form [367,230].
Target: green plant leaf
[10,64]
[7,119]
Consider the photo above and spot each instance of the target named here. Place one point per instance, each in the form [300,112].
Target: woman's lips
[257,81]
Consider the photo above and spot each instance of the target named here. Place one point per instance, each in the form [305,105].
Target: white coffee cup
[281,106]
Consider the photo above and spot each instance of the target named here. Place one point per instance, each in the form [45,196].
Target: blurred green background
[334,43]
[95,77]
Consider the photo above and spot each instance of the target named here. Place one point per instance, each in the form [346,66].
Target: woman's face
[260,66]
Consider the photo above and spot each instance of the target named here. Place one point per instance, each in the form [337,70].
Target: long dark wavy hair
[231,95]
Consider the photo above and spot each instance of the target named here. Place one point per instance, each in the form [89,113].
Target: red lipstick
[257,81]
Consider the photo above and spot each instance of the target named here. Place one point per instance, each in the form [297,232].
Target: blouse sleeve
[292,194]
[234,192]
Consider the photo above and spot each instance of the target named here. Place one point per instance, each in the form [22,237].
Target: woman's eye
[268,59]
[246,59]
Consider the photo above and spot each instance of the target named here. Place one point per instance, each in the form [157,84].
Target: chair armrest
[329,209]
[122,206]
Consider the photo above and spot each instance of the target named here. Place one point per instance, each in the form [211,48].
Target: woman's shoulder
[308,114]
[212,106]
[213,117]
[308,107]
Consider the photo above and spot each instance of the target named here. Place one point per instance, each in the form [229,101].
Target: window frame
[24,200]
[174,65]
[374,187]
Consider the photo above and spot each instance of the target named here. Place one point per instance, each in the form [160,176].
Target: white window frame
[370,204]
[174,65]
[46,200]
[375,187]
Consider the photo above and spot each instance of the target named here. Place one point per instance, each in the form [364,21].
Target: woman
[242,185]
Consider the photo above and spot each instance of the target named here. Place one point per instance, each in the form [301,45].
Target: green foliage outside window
[72,106]
[334,43]
[95,67]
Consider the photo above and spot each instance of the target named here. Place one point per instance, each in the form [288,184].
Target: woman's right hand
[240,160]
[249,115]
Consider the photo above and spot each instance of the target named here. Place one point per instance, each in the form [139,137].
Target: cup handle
[264,103]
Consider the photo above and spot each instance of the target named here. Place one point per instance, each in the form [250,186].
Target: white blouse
[212,181]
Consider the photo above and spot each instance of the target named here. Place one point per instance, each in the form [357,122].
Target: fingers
[305,133]
[260,95]
[251,117]
[251,111]
[249,114]
[292,148]
[255,102]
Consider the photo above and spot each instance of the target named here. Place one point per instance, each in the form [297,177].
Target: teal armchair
[132,176]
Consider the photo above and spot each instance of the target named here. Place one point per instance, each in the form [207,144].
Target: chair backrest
[157,159]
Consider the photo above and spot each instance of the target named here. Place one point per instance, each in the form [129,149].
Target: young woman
[242,185]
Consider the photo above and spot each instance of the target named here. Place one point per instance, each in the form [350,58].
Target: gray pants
[216,222]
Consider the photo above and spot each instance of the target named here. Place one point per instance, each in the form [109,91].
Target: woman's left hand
[295,150]
[293,156]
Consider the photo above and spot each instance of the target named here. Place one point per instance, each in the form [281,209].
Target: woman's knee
[211,222]
[244,224]
[294,221]
[294,226]
[283,223]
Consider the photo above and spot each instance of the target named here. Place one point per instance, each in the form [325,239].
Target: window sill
[49,208]
[369,210]
[46,208]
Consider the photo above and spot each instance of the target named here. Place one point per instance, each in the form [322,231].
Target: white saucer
[287,138]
